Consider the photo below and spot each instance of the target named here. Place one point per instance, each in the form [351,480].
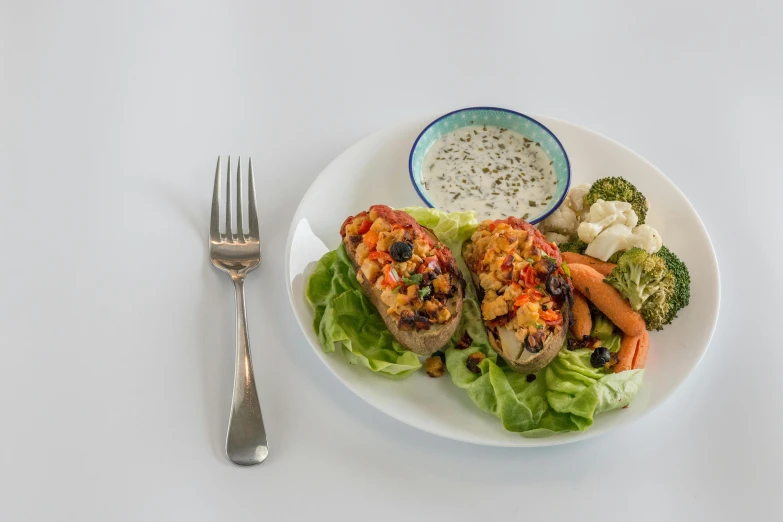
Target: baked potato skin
[556,334]
[420,341]
[551,348]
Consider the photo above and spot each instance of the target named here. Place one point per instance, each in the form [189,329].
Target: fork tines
[237,235]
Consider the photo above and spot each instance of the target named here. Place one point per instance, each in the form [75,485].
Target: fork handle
[246,440]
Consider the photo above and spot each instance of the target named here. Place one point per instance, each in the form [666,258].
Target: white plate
[375,171]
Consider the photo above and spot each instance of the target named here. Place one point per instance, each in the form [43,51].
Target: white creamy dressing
[495,171]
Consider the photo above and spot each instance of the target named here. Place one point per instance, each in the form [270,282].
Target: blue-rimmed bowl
[515,121]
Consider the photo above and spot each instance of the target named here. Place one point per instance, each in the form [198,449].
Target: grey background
[116,333]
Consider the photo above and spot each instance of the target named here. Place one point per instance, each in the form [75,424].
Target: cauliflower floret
[587,232]
[646,238]
[604,214]
[563,221]
[611,240]
[619,237]
[556,237]
[577,196]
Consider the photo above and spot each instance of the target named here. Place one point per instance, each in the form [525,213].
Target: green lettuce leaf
[343,314]
[564,396]
[471,323]
[453,228]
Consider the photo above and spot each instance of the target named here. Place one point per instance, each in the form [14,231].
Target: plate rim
[528,442]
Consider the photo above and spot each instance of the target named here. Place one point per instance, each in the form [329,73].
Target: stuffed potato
[526,297]
[410,276]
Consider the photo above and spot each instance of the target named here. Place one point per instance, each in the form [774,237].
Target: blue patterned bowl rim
[508,111]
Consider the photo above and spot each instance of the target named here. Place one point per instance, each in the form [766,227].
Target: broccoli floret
[639,275]
[655,310]
[577,246]
[614,258]
[682,282]
[618,189]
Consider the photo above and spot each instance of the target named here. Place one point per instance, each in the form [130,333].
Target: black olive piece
[600,357]
[401,251]
[534,342]
[530,377]
[555,285]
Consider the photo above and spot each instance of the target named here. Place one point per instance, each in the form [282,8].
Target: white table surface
[117,334]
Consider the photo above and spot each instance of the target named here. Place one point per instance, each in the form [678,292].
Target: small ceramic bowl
[525,125]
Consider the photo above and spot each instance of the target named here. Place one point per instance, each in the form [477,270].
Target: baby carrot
[591,284]
[597,264]
[628,348]
[640,357]
[583,323]
[633,352]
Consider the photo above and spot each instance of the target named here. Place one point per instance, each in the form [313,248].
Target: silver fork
[237,254]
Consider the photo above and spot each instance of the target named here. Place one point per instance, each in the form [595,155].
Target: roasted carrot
[597,264]
[583,322]
[640,357]
[633,352]
[628,348]
[591,284]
